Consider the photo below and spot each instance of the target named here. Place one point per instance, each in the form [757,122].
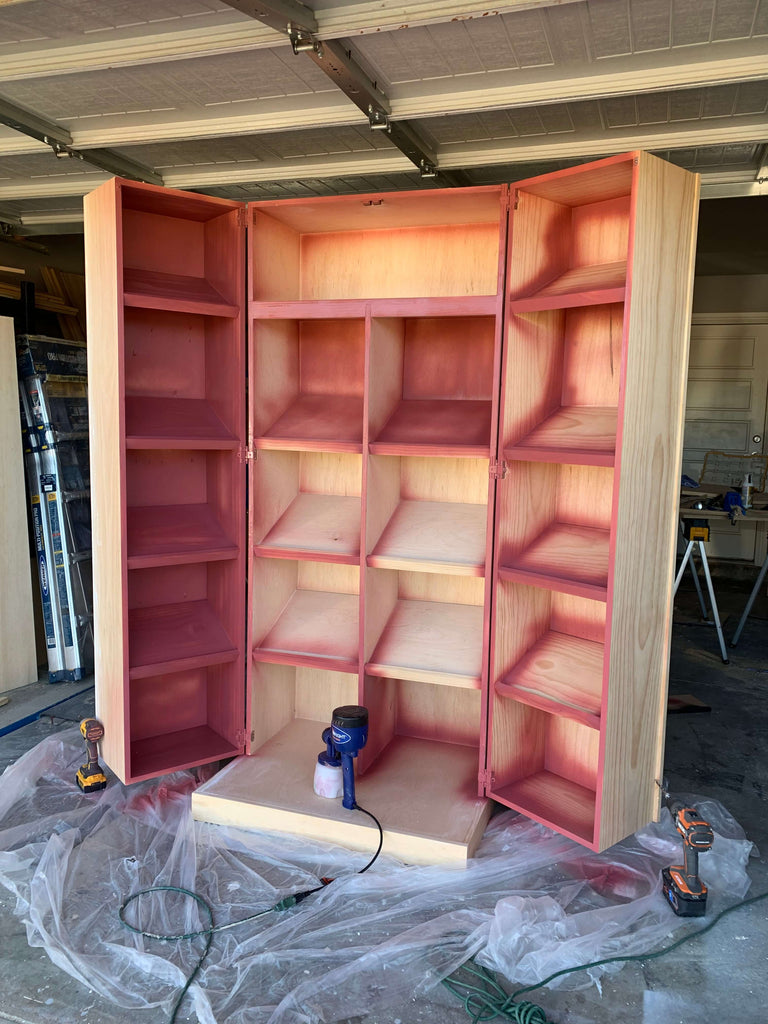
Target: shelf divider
[433,536]
[174,534]
[317,629]
[594,285]
[313,423]
[435,427]
[565,557]
[560,674]
[174,637]
[581,435]
[161,422]
[431,642]
[558,803]
[148,289]
[320,527]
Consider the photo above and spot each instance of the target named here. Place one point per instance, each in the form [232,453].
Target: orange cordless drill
[90,776]
[682,887]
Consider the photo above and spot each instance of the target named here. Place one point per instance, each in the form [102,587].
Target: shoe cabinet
[442,484]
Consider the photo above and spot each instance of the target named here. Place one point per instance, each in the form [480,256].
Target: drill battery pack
[90,783]
[683,901]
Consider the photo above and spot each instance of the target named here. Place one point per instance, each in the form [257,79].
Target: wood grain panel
[436,260]
[650,454]
[18,665]
[104,271]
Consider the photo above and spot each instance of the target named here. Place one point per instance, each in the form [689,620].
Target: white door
[725,411]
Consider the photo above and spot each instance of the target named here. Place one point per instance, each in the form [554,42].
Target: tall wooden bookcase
[462,450]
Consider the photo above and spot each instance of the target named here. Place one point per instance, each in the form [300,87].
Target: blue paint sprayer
[335,769]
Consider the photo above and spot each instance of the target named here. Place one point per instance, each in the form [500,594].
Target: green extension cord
[489,1001]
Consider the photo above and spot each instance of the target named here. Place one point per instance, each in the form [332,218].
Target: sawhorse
[696,531]
[750,602]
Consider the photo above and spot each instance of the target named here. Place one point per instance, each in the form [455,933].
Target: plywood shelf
[321,527]
[565,557]
[173,534]
[557,802]
[442,821]
[431,642]
[332,423]
[581,435]
[560,674]
[581,286]
[434,427]
[317,629]
[186,747]
[173,637]
[152,422]
[148,289]
[434,536]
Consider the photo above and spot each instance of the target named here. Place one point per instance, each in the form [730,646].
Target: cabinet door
[599,292]
[167,380]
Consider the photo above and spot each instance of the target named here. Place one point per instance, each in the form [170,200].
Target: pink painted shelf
[173,637]
[174,534]
[431,642]
[560,674]
[149,757]
[148,289]
[317,423]
[320,527]
[315,628]
[566,557]
[152,422]
[434,536]
[557,802]
[583,435]
[580,286]
[434,427]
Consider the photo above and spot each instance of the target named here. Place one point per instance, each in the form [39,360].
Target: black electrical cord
[284,904]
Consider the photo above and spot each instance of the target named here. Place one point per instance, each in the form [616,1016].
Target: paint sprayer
[335,769]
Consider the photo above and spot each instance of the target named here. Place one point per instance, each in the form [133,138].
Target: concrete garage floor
[722,754]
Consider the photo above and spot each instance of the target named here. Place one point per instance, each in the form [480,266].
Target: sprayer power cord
[284,904]
[491,1002]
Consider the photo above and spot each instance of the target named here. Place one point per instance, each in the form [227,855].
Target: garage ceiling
[200,95]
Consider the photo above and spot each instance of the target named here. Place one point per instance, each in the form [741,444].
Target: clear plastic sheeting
[528,904]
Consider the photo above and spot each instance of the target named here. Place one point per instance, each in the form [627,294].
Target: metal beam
[36,127]
[222,31]
[7,217]
[60,140]
[338,62]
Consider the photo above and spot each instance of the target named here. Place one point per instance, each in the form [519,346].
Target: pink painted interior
[556,685]
[184,516]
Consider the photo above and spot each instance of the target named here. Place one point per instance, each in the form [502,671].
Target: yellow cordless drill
[90,776]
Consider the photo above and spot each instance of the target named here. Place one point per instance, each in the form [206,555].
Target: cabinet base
[423,792]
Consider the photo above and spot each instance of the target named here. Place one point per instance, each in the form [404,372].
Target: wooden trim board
[424,794]
[18,664]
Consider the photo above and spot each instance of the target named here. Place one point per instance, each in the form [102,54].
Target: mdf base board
[424,794]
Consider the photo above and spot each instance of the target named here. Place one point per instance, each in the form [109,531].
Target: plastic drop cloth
[529,903]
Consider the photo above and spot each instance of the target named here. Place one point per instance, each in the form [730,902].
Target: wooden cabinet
[462,459]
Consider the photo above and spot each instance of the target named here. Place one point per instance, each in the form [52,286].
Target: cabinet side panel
[650,435]
[104,272]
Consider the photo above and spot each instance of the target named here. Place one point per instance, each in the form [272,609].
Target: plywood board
[18,664]
[440,822]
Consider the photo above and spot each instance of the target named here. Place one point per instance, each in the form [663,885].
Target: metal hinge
[240,738]
[246,454]
[486,778]
[497,469]
[517,199]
